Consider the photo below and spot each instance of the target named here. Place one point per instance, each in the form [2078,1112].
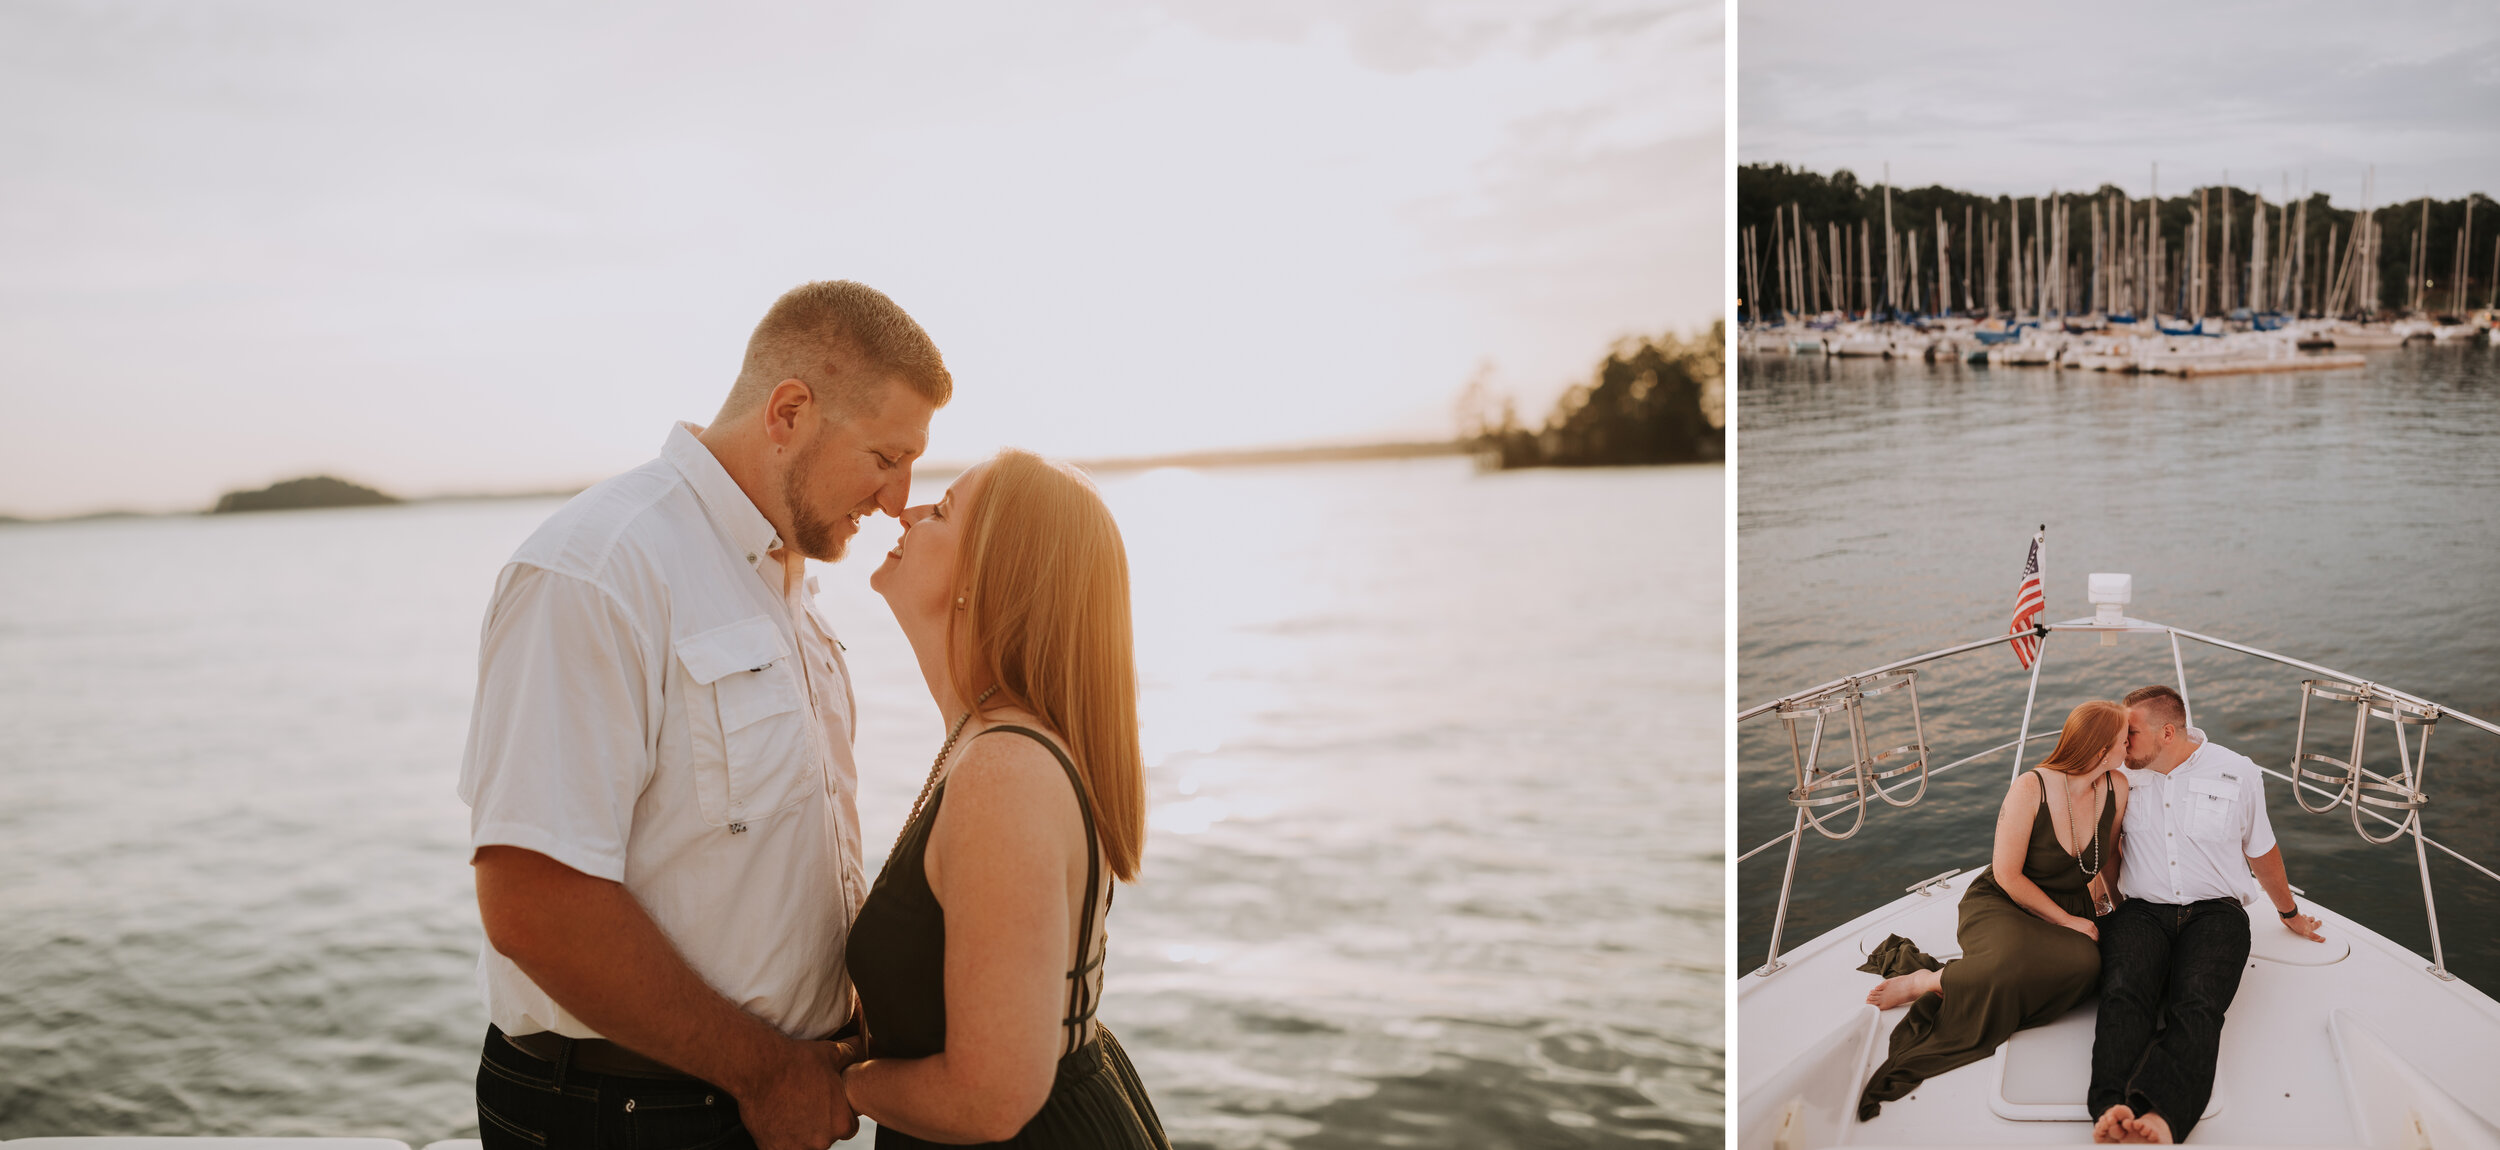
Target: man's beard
[812,535]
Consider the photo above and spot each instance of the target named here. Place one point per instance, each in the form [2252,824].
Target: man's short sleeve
[2258,836]
[559,746]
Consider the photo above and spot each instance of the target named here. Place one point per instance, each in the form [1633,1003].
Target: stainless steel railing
[2338,782]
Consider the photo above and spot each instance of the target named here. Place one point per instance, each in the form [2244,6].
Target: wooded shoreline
[1810,243]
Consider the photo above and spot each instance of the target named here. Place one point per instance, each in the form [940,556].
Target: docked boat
[1874,343]
[2362,337]
[2358,1042]
[2029,352]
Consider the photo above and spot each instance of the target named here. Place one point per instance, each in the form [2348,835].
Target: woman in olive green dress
[2030,950]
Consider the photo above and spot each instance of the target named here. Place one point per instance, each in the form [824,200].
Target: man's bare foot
[1904,988]
[2150,1128]
[2112,1124]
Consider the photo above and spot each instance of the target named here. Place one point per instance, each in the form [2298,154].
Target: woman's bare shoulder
[1009,805]
[1007,771]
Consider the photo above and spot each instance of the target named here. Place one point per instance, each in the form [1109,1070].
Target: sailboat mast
[1892,283]
[1944,267]
[1969,241]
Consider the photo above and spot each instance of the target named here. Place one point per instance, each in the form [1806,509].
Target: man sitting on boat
[2173,951]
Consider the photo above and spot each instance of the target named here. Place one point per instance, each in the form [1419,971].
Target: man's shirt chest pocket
[752,755]
[2213,810]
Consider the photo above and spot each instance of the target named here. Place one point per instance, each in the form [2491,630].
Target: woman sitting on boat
[2030,950]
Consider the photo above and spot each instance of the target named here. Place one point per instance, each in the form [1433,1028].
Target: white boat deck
[2348,1043]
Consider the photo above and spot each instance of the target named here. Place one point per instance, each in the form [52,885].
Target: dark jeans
[525,1103]
[2167,975]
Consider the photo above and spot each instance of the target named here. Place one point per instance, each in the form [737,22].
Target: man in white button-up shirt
[2172,953]
[663,816]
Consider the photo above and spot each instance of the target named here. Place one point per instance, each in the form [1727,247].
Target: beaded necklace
[930,786]
[2066,798]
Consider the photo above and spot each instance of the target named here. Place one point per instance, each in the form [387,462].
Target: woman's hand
[2083,926]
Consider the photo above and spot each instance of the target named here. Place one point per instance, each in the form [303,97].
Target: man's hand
[802,1107]
[2268,868]
[590,946]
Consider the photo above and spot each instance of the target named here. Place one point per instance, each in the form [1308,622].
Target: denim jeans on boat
[526,1103]
[2168,973]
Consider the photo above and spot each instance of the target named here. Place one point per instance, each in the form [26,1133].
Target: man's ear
[789,403]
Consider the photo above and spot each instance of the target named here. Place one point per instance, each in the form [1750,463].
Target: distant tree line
[2407,246]
[1651,400]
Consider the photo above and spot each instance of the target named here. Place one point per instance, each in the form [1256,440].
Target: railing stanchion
[2039,655]
[2430,910]
[2187,713]
[1779,922]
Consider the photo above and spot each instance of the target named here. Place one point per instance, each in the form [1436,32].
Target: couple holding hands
[683,950]
[2119,862]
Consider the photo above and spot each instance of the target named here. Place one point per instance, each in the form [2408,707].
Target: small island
[297,494]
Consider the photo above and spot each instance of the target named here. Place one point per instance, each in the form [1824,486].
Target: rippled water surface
[2349,518]
[1435,855]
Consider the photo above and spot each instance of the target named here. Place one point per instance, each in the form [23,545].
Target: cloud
[469,245]
[2017,99]
[1411,35]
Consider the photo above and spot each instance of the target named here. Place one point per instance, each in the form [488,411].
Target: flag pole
[2040,638]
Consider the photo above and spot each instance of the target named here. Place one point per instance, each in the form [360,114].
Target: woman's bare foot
[1904,988]
[2150,1128]
[2111,1127]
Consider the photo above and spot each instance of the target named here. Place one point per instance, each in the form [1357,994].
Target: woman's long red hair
[1045,579]
[2089,731]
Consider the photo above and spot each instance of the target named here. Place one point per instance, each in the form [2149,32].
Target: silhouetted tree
[1644,404]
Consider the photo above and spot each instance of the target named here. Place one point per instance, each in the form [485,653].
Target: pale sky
[2018,99]
[471,247]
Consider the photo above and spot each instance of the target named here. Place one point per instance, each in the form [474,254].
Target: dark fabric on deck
[1896,956]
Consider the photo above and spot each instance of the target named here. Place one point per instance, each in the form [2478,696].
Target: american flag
[2028,604]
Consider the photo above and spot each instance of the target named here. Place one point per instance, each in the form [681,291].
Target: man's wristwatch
[2288,914]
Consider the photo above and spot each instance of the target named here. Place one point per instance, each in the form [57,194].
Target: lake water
[2350,518]
[1435,760]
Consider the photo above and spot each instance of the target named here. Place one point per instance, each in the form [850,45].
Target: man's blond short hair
[2161,703]
[845,340]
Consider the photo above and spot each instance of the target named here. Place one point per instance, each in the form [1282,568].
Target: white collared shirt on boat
[2190,833]
[653,708]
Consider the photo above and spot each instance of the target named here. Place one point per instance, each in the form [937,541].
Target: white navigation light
[2108,594]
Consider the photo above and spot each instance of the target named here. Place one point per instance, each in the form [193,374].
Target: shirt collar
[728,506]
